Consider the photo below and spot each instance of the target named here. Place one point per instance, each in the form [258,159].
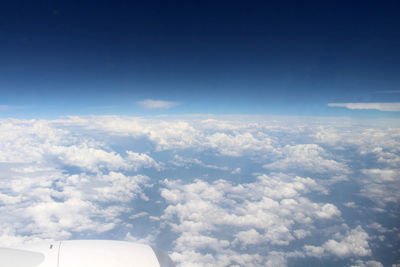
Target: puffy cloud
[248,237]
[236,145]
[270,211]
[314,251]
[327,135]
[45,203]
[378,106]
[382,175]
[41,142]
[88,158]
[27,140]
[180,134]
[118,187]
[275,259]
[310,157]
[139,160]
[328,211]
[353,244]
[381,185]
[377,148]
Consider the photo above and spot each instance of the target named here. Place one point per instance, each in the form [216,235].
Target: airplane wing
[19,258]
[85,253]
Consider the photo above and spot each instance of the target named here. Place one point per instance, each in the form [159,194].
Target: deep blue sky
[269,57]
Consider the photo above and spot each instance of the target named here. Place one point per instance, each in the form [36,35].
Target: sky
[226,133]
[224,57]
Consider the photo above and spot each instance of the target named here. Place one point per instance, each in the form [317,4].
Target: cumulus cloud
[139,160]
[157,104]
[395,106]
[381,185]
[239,144]
[353,244]
[88,158]
[53,205]
[310,157]
[271,211]
[118,187]
[39,196]
[185,134]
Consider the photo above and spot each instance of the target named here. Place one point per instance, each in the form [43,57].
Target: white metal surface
[84,253]
[19,258]
[88,253]
[48,250]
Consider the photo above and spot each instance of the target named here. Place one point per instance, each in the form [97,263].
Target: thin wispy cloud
[157,104]
[4,107]
[388,92]
[8,107]
[394,106]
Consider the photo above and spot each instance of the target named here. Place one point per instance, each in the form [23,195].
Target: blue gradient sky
[266,57]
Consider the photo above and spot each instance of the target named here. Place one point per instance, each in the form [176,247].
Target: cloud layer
[212,191]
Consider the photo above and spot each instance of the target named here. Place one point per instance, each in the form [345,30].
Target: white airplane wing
[85,253]
[19,258]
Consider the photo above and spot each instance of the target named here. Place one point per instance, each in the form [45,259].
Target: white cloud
[89,158]
[248,237]
[42,199]
[83,177]
[239,144]
[139,160]
[350,205]
[353,244]
[188,162]
[118,187]
[184,134]
[371,263]
[270,211]
[314,251]
[381,185]
[310,157]
[54,205]
[382,175]
[395,106]
[236,171]
[275,260]
[378,227]
[157,104]
[138,215]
